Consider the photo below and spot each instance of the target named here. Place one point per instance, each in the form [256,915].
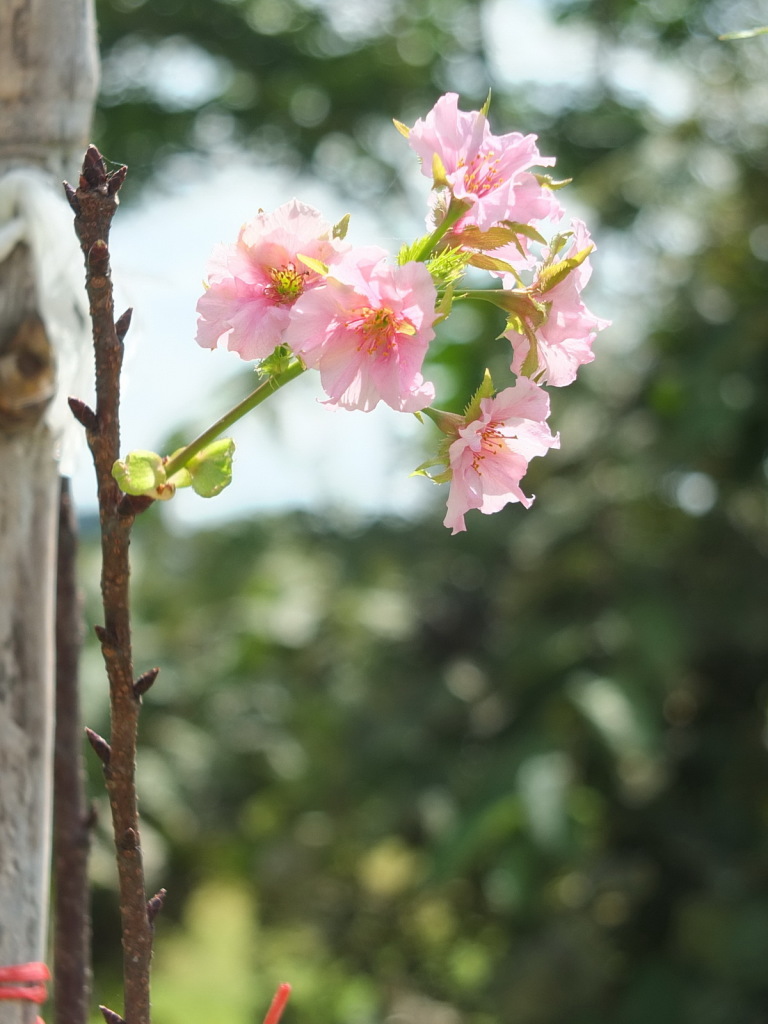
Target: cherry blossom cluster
[292,288]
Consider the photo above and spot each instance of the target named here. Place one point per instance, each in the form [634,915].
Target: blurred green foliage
[518,775]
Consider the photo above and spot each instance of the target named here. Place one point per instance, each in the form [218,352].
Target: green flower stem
[262,392]
[456,211]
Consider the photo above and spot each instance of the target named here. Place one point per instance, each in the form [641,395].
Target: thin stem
[262,392]
[94,204]
[456,210]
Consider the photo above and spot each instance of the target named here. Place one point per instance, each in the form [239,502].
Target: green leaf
[211,469]
[140,472]
[525,229]
[557,272]
[518,303]
[485,262]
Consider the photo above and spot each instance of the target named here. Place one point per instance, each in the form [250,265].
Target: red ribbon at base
[26,982]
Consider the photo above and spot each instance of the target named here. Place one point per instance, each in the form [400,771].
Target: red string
[18,982]
[275,1011]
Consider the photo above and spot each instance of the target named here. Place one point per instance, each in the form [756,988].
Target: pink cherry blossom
[564,338]
[253,284]
[489,172]
[367,331]
[490,456]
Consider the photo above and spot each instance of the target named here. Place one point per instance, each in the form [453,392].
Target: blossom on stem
[490,456]
[367,331]
[551,346]
[253,284]
[489,172]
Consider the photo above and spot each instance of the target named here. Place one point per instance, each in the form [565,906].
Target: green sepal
[340,228]
[447,266]
[531,361]
[549,182]
[211,468]
[275,363]
[140,473]
[487,105]
[408,251]
[448,423]
[439,173]
[317,265]
[404,130]
[486,390]
[436,478]
[445,304]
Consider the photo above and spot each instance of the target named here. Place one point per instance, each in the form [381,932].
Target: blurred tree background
[518,775]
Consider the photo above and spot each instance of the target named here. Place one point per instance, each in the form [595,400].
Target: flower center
[378,329]
[287,284]
[492,441]
[483,173]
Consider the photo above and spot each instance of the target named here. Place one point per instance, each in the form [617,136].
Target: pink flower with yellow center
[565,328]
[367,331]
[490,456]
[489,172]
[253,284]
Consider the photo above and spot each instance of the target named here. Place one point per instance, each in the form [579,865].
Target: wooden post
[48,76]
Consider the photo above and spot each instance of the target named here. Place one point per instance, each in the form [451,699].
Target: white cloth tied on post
[34,212]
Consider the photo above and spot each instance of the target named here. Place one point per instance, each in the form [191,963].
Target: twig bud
[144,682]
[83,413]
[110,1016]
[101,747]
[94,172]
[98,258]
[131,505]
[72,199]
[155,905]
[129,840]
[101,634]
[122,324]
[116,179]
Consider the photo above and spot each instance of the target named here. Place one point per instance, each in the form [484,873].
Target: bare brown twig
[94,203]
[72,930]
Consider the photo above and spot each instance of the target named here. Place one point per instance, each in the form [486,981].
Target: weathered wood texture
[48,65]
[48,74]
